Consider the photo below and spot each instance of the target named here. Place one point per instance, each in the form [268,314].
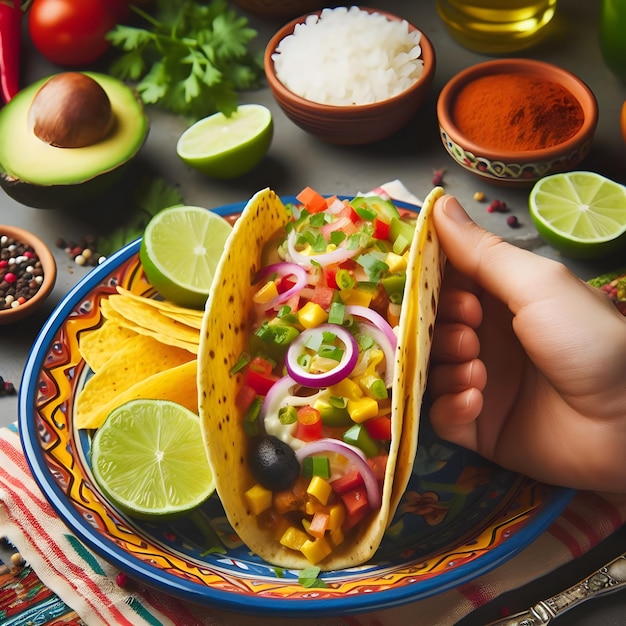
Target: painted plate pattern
[460,516]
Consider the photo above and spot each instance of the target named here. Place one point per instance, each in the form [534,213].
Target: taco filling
[322,387]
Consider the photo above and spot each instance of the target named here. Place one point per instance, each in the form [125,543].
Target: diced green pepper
[370,207]
[401,233]
[334,412]
[316,466]
[394,285]
[358,436]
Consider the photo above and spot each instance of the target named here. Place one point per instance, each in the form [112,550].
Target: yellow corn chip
[136,360]
[97,346]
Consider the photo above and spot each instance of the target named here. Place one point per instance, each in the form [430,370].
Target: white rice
[348,56]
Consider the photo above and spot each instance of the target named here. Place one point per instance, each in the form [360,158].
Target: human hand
[528,364]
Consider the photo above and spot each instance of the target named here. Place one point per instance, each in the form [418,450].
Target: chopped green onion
[344,279]
[318,219]
[329,351]
[316,466]
[336,313]
[250,419]
[242,361]
[287,415]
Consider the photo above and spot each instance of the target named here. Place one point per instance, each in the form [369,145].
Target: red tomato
[71,32]
[309,426]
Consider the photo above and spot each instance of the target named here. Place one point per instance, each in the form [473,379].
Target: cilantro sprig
[191,58]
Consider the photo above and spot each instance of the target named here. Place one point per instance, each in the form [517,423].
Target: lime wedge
[149,459]
[581,214]
[180,250]
[226,147]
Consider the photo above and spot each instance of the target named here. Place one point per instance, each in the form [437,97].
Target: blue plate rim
[259,605]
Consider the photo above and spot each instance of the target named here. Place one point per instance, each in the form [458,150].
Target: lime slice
[581,214]
[180,250]
[149,459]
[226,147]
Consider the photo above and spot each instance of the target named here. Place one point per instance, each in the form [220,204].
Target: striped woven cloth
[65,583]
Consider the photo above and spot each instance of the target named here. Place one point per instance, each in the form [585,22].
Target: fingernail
[455,211]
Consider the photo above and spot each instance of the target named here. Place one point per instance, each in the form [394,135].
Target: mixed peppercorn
[21,273]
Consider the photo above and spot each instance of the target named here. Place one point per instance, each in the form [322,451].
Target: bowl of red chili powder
[513,121]
[27,273]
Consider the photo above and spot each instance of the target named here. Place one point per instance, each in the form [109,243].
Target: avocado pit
[71,110]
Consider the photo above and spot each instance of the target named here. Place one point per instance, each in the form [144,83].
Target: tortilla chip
[111,314]
[149,317]
[177,384]
[225,334]
[139,358]
[97,346]
[162,305]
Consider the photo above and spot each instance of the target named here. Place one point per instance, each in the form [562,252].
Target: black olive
[273,463]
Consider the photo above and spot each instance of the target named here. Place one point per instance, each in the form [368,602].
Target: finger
[454,417]
[454,343]
[454,378]
[457,305]
[513,275]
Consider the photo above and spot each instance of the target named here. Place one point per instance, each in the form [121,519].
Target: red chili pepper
[10,36]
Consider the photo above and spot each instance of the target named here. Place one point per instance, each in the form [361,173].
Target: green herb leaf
[309,577]
[190,58]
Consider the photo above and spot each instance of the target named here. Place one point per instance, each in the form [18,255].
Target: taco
[312,364]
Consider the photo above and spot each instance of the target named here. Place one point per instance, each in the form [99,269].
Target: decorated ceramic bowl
[552,134]
[31,258]
[351,123]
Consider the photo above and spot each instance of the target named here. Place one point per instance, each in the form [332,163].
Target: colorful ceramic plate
[460,517]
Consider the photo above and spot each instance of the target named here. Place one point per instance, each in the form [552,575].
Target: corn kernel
[337,516]
[396,262]
[336,536]
[362,409]
[314,506]
[258,498]
[356,297]
[315,551]
[320,489]
[346,389]
[312,315]
[266,294]
[294,538]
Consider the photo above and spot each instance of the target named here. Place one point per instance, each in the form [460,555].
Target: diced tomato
[284,283]
[350,213]
[357,506]
[309,426]
[245,397]
[381,229]
[323,296]
[378,464]
[312,201]
[259,375]
[319,524]
[379,427]
[348,264]
[330,276]
[350,480]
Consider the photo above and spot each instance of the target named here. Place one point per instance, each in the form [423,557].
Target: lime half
[149,459]
[180,250]
[581,214]
[226,147]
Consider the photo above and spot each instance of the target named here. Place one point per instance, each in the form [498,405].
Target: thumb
[512,275]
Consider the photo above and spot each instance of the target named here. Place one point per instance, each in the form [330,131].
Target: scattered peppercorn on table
[295,160]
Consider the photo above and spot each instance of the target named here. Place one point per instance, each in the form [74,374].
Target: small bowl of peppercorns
[27,273]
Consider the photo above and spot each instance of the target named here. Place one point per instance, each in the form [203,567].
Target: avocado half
[41,175]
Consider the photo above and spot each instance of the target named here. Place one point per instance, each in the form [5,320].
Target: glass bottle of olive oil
[496,26]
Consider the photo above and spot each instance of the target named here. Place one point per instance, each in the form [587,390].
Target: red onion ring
[376,319]
[324,259]
[324,379]
[284,269]
[389,351]
[354,455]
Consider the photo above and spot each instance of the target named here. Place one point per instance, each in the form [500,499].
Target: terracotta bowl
[516,168]
[8,316]
[353,124]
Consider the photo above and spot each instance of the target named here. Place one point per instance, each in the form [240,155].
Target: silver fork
[606,579]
